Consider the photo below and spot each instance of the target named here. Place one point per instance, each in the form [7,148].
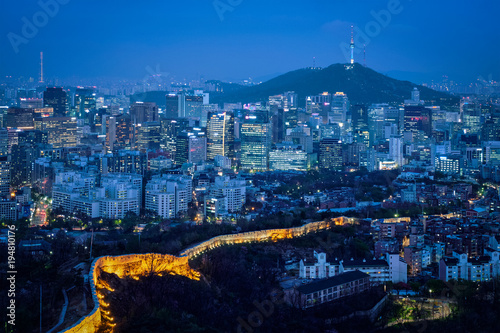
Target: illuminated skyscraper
[330,154]
[171,106]
[4,176]
[278,123]
[418,122]
[141,112]
[55,98]
[360,127]
[61,130]
[396,149]
[148,135]
[190,106]
[470,112]
[256,139]
[220,134]
[191,147]
[4,163]
[119,132]
[339,112]
[21,118]
[85,104]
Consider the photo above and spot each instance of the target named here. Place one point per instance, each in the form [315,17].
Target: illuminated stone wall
[264,235]
[136,265]
[91,322]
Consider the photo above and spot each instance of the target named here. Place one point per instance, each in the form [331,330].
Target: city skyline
[235,165]
[219,39]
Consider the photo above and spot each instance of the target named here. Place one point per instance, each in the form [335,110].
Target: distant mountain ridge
[361,84]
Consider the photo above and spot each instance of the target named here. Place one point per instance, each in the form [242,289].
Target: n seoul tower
[352,44]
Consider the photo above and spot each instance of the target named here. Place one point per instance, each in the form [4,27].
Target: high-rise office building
[4,164]
[148,135]
[352,154]
[119,132]
[32,137]
[330,154]
[291,100]
[300,136]
[22,158]
[491,128]
[220,134]
[125,161]
[62,131]
[21,118]
[291,118]
[56,98]
[256,139]
[30,103]
[191,147]
[277,123]
[288,156]
[193,106]
[418,122]
[470,112]
[339,110]
[141,112]
[319,104]
[360,127]
[171,106]
[168,134]
[85,104]
[4,176]
[396,149]
[23,155]
[4,142]
[190,106]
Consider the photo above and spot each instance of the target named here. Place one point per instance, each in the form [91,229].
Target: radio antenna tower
[352,44]
[41,67]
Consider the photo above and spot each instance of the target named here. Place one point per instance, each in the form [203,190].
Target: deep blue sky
[104,38]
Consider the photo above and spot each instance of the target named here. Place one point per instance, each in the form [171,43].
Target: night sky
[255,38]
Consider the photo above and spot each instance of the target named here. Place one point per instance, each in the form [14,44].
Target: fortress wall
[91,322]
[142,264]
[262,235]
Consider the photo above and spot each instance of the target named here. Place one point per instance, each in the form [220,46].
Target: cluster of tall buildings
[45,131]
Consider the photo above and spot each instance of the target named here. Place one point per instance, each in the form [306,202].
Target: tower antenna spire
[352,44]
[314,62]
[41,67]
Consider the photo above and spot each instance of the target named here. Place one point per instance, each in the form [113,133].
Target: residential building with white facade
[232,190]
[117,194]
[167,196]
[327,290]
[477,269]
[392,268]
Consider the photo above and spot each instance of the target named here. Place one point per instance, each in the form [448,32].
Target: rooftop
[332,282]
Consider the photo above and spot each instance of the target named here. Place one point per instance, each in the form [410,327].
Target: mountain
[361,84]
